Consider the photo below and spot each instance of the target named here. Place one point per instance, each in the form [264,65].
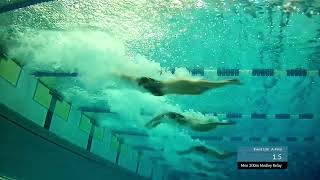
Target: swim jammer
[201,149]
[151,85]
[178,117]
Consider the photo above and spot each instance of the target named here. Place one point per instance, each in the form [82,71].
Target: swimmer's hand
[126,77]
[152,124]
[225,122]
[149,125]
[234,81]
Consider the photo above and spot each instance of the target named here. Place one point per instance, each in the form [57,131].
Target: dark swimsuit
[180,119]
[201,149]
[152,85]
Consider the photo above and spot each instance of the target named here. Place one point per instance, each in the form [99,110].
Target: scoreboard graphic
[263,157]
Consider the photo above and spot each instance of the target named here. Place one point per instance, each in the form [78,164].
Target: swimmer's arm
[188,151]
[220,155]
[156,121]
[226,155]
[127,78]
[225,123]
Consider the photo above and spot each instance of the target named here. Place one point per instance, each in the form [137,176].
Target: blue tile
[54,74]
[197,71]
[234,115]
[262,72]
[309,139]
[228,72]
[306,116]
[255,139]
[95,109]
[258,116]
[282,116]
[273,139]
[297,72]
[292,139]
[236,139]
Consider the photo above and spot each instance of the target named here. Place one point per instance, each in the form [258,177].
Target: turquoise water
[142,38]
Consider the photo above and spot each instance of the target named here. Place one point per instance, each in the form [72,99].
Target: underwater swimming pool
[62,66]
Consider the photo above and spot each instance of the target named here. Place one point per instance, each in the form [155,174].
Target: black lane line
[89,144]
[118,152]
[50,112]
[138,162]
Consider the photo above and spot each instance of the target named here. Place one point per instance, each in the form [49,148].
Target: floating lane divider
[253,139]
[94,109]
[20,4]
[53,74]
[255,72]
[220,72]
[302,116]
[290,139]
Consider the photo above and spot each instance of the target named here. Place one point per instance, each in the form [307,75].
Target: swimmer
[193,123]
[207,151]
[184,87]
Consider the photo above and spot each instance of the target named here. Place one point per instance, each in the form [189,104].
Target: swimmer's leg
[208,151]
[198,87]
[207,85]
[188,151]
[226,155]
[220,155]
[210,125]
[172,116]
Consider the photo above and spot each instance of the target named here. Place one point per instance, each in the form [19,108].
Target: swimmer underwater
[182,87]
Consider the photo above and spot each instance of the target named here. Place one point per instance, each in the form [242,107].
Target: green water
[210,35]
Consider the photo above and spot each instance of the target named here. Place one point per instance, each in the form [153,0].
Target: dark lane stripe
[89,144]
[47,122]
[119,151]
[138,162]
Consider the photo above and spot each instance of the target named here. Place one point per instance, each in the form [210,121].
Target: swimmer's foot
[228,155]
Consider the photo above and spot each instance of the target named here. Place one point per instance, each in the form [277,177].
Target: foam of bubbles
[97,57]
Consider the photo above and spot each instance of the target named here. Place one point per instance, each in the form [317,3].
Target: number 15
[275,157]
